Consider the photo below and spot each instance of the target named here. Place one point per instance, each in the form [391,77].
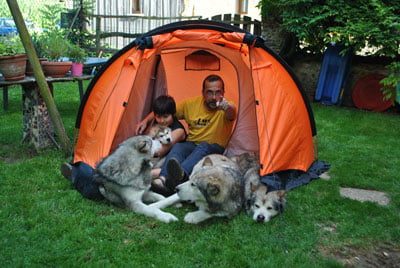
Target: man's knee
[210,148]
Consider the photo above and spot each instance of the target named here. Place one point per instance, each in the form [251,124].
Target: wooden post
[98,32]
[40,78]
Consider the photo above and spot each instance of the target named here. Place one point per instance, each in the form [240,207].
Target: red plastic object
[367,94]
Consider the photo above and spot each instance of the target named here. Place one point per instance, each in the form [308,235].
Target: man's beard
[212,105]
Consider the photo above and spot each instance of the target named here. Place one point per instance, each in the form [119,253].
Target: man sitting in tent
[210,118]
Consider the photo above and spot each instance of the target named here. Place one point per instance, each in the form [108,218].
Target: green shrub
[76,53]
[11,46]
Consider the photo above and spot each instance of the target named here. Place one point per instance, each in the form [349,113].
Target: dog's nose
[169,140]
[260,218]
[176,189]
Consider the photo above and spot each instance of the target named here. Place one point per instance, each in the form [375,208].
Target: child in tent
[164,109]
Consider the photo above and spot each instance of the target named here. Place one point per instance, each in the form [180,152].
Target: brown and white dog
[258,202]
[160,135]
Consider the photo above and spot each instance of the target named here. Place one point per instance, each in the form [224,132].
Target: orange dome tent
[274,116]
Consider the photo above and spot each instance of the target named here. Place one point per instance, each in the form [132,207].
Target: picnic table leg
[37,126]
[5,98]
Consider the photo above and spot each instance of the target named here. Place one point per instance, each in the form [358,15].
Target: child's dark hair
[164,104]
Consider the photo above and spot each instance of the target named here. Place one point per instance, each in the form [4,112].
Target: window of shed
[135,6]
[202,60]
[243,6]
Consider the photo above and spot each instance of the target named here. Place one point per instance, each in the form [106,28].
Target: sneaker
[66,171]
[158,186]
[175,173]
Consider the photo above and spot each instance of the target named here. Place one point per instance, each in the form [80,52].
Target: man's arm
[229,108]
[230,112]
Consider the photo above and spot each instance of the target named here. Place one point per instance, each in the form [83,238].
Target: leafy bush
[357,25]
[52,45]
[11,46]
[76,53]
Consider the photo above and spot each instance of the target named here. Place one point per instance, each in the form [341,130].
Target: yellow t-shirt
[204,125]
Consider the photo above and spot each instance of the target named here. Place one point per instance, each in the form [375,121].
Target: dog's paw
[178,205]
[194,217]
[167,217]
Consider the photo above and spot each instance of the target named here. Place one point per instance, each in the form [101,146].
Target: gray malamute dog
[215,187]
[258,202]
[125,179]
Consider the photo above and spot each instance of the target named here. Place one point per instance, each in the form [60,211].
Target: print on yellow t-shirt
[204,125]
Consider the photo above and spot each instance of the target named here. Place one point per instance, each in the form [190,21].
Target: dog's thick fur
[160,135]
[260,204]
[124,178]
[215,187]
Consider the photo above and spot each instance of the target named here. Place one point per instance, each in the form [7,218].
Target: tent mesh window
[202,60]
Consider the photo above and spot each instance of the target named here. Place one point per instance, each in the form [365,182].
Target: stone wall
[307,70]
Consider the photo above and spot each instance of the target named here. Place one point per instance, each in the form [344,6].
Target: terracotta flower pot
[29,70]
[13,67]
[56,68]
[77,69]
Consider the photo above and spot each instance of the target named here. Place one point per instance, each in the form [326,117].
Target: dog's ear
[141,146]
[281,194]
[207,162]
[253,187]
[212,189]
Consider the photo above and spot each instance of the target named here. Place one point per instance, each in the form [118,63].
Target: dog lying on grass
[125,179]
[260,204]
[215,188]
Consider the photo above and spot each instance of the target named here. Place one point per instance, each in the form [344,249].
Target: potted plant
[12,58]
[78,56]
[54,47]
[36,43]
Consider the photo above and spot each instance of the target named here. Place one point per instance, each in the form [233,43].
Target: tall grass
[45,222]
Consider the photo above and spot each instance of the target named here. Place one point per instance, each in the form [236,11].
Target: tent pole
[40,78]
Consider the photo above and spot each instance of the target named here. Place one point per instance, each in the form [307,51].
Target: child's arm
[141,126]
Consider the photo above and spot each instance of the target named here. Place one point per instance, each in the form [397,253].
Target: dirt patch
[384,255]
[365,195]
[10,156]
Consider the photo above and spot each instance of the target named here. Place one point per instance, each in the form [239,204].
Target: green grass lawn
[45,222]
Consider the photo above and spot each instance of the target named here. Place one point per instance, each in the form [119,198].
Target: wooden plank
[217,17]
[236,18]
[246,26]
[257,28]
[30,79]
[227,18]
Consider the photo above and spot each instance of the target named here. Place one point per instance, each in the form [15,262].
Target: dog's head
[161,133]
[130,160]
[212,188]
[140,144]
[246,161]
[265,205]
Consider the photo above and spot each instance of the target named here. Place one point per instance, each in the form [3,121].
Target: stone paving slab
[365,195]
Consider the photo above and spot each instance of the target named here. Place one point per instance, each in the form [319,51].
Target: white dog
[125,179]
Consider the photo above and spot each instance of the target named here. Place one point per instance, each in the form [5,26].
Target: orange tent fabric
[274,117]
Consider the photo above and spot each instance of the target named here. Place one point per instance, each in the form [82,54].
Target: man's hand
[223,104]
